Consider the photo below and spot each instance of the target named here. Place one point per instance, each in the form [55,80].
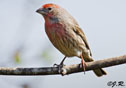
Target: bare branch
[64,70]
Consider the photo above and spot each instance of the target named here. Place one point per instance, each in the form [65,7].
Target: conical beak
[41,11]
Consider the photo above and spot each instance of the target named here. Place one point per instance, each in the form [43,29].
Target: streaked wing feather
[79,31]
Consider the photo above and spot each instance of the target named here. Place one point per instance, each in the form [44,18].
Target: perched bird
[65,34]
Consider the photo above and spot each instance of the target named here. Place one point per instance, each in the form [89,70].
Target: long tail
[99,72]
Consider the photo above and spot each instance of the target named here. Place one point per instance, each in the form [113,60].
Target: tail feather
[99,72]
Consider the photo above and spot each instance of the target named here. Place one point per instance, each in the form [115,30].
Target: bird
[66,35]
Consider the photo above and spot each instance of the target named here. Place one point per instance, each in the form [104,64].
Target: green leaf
[17,58]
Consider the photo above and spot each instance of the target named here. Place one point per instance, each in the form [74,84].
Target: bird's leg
[61,63]
[83,63]
[60,66]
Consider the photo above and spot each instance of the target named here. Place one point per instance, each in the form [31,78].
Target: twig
[65,70]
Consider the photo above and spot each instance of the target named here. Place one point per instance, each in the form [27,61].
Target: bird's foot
[60,67]
[83,64]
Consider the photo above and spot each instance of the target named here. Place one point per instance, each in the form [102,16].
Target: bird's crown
[50,5]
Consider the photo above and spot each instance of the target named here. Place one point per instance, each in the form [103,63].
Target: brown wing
[79,31]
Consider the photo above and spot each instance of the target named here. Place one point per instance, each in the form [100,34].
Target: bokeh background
[23,42]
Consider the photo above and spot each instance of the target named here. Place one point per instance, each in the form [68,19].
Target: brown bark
[65,69]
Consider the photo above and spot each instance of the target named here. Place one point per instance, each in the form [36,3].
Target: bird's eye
[49,8]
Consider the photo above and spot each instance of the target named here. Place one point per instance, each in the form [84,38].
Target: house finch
[66,35]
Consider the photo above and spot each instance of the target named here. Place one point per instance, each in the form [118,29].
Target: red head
[50,5]
[48,10]
[54,13]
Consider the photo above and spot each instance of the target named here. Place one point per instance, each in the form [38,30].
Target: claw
[55,65]
[60,66]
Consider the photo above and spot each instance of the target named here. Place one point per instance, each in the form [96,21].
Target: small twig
[65,70]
